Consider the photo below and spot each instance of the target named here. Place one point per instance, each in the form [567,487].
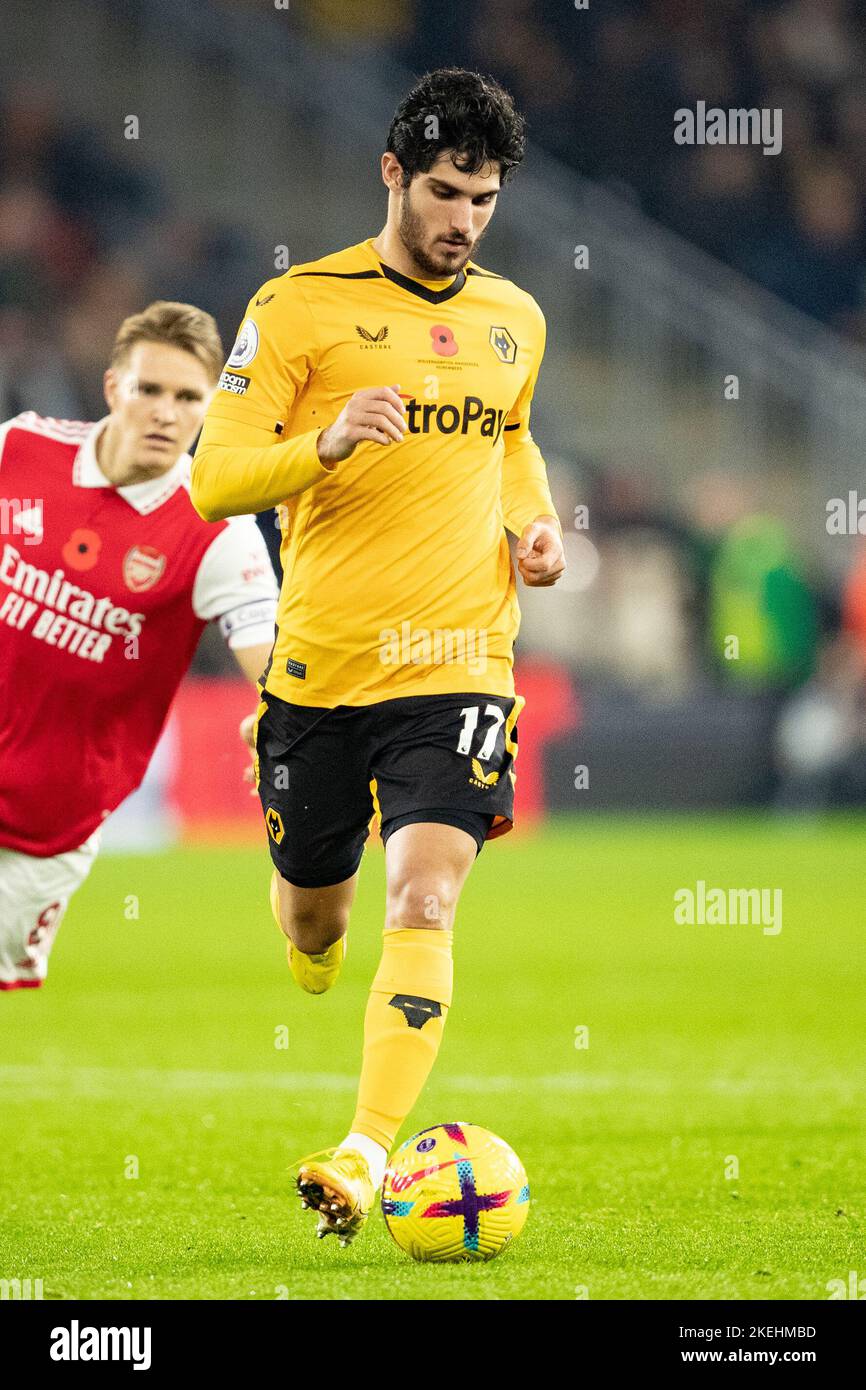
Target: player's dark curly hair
[475,118]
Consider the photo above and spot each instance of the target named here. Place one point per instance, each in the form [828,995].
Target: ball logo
[400,1182]
[143,566]
[443,340]
[81,551]
[246,345]
[426,1145]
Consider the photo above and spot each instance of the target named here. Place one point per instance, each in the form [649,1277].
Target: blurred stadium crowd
[88,235]
[792,222]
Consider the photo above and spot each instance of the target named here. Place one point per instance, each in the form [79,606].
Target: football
[455,1192]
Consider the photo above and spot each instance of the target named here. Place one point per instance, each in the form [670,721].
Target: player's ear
[109,388]
[392,172]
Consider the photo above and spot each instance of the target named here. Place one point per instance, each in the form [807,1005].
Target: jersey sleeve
[244,462]
[525,489]
[235,583]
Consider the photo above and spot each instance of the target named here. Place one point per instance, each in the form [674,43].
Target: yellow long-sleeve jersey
[397,575]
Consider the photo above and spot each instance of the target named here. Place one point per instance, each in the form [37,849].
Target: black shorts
[323,774]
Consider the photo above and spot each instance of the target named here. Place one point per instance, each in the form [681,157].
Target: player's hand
[540,553]
[375,413]
[246,732]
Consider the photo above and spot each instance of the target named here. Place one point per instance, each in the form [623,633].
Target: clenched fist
[540,553]
[375,413]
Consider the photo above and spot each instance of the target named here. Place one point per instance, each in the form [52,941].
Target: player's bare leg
[315,921]
[426,867]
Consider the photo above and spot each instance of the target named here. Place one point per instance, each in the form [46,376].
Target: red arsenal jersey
[104,592]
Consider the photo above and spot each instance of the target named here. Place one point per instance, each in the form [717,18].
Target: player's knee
[425,901]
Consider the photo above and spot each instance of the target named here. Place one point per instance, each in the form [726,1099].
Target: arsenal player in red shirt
[107,578]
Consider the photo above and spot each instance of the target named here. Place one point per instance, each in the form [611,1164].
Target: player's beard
[432,264]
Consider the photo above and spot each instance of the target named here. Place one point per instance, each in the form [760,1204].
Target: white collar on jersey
[144,497]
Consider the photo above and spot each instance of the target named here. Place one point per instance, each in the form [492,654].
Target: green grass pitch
[709,1142]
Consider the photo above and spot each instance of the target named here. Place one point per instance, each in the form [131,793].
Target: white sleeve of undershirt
[236,584]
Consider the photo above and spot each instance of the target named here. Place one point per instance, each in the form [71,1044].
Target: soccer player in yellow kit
[390,689]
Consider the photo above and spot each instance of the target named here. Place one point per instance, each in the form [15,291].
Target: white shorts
[34,893]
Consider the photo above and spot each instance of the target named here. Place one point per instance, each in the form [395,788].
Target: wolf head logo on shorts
[274,822]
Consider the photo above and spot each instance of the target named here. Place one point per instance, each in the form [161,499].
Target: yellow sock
[403,1027]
